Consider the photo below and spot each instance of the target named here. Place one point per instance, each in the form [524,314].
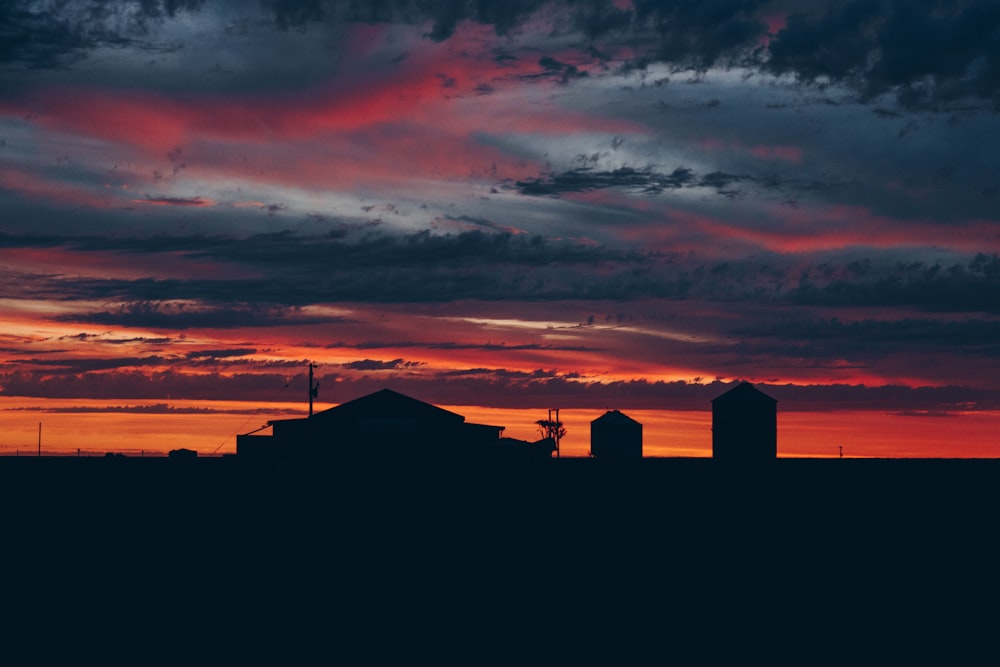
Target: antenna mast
[558,427]
[313,388]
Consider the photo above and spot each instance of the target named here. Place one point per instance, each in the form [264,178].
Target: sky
[515,206]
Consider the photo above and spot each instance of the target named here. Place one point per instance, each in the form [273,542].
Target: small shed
[744,425]
[615,435]
[182,454]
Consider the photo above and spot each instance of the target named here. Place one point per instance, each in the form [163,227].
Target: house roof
[744,392]
[387,402]
[614,417]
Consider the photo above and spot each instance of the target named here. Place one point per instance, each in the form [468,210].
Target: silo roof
[614,417]
[744,392]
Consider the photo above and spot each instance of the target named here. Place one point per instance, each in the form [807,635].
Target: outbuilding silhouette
[744,426]
[381,427]
[614,435]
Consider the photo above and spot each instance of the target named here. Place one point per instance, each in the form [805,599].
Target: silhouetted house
[614,435]
[380,427]
[744,425]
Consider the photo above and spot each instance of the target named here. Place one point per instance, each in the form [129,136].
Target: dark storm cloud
[221,353]
[290,13]
[831,336]
[303,270]
[677,27]
[99,338]
[200,358]
[298,271]
[959,287]
[376,365]
[509,389]
[645,180]
[649,181]
[896,398]
[73,365]
[162,312]
[700,33]
[146,385]
[926,53]
[30,240]
[158,409]
[40,34]
[484,347]
[174,201]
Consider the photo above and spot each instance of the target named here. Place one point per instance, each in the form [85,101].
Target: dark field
[503,555]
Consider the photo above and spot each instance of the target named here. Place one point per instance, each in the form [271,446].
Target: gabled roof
[389,403]
[744,392]
[614,417]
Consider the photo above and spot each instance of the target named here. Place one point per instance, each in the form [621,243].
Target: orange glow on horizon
[210,428]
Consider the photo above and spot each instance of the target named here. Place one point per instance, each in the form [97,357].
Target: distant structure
[614,435]
[744,426]
[384,426]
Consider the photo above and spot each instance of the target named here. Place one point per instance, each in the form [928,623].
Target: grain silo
[614,435]
[744,425]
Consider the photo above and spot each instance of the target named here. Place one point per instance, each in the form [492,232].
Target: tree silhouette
[551,428]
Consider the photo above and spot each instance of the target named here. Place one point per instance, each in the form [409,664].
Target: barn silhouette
[382,427]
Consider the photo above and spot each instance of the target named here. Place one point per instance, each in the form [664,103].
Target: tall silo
[744,425]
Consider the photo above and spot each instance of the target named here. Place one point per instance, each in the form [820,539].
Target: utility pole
[557,431]
[313,388]
[39,438]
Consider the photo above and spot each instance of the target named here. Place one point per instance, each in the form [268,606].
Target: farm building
[380,427]
[615,435]
[744,425]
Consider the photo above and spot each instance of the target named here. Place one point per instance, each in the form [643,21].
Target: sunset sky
[501,207]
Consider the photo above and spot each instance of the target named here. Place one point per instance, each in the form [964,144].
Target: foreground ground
[653,548]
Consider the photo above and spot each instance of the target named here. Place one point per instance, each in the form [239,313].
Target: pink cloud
[793,154]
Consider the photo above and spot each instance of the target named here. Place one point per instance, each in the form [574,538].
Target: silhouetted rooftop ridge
[744,391]
[614,417]
[387,401]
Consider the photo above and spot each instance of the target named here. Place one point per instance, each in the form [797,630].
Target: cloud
[157,409]
[45,34]
[645,180]
[650,181]
[925,55]
[375,365]
[929,56]
[276,277]
[167,313]
[220,353]
[137,384]
[107,339]
[174,201]
[960,287]
[875,338]
[442,345]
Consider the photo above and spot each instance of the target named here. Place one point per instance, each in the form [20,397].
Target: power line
[240,427]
